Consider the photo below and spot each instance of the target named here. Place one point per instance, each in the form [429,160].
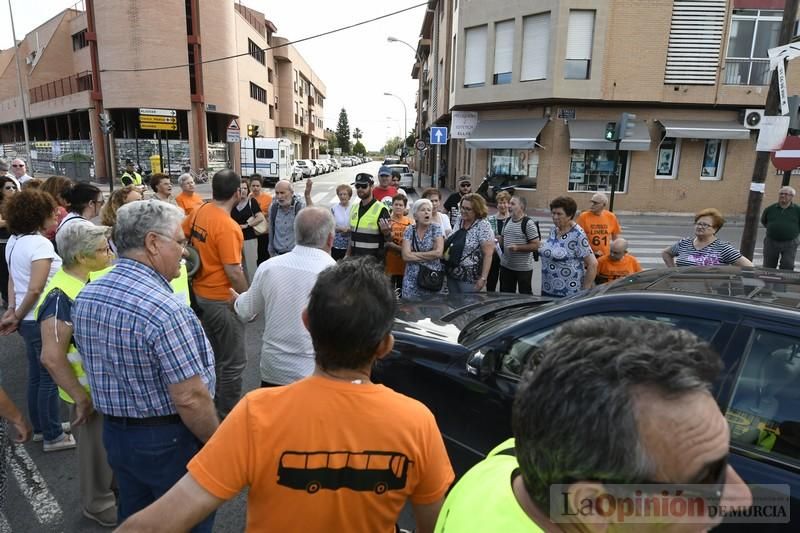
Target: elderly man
[370,227]
[782,220]
[188,199]
[520,239]
[600,225]
[149,366]
[280,288]
[652,385]
[282,212]
[618,263]
[385,189]
[218,240]
[305,450]
[19,172]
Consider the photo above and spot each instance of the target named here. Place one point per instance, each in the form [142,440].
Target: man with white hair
[782,220]
[600,225]
[280,289]
[282,212]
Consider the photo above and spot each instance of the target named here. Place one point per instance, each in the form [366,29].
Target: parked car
[463,358]
[346,162]
[335,163]
[391,160]
[406,176]
[305,167]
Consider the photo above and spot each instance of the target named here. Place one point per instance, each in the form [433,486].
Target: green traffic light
[610,131]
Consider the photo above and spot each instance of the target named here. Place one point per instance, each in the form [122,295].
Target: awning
[704,129]
[517,133]
[590,135]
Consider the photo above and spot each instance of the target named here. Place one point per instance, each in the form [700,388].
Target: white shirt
[444,222]
[21,251]
[280,289]
[24,178]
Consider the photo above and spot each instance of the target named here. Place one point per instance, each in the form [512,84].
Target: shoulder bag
[427,278]
[257,221]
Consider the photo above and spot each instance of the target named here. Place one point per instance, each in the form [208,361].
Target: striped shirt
[716,253]
[137,337]
[512,234]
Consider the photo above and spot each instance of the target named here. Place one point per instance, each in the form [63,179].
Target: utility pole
[751,221]
[29,161]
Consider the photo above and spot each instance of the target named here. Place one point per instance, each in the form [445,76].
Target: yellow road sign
[162,120]
[158,126]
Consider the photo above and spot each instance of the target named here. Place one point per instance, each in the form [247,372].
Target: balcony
[64,87]
[747,72]
[310,100]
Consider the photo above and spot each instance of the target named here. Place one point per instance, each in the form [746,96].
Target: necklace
[358,381]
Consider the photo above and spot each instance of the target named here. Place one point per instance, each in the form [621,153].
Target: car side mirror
[482,364]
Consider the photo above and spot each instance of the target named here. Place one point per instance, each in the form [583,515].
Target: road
[43,488]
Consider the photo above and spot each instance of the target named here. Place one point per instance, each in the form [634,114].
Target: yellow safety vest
[365,232]
[180,285]
[70,286]
[135,177]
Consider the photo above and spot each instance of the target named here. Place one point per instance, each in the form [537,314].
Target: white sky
[356,65]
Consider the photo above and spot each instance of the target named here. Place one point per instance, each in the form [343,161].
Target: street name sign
[158,119]
[788,157]
[462,124]
[158,112]
[439,135]
[157,126]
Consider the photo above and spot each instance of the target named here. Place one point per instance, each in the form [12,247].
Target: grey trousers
[225,331]
[94,474]
[785,250]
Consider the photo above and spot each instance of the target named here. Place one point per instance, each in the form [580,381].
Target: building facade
[545,77]
[121,56]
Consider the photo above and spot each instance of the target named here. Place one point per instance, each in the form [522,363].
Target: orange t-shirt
[325,455]
[611,270]
[395,266]
[189,202]
[264,200]
[218,239]
[599,229]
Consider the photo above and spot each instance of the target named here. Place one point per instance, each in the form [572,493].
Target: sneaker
[107,518]
[66,443]
[66,427]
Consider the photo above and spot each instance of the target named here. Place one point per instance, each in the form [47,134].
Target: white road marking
[45,506]
[4,526]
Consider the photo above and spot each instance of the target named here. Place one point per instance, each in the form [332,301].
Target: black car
[463,358]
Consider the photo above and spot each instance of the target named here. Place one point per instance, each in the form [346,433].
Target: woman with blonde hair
[704,249]
[468,250]
[119,197]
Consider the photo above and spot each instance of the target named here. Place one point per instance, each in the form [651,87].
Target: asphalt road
[43,488]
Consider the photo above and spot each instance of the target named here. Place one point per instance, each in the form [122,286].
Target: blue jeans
[455,286]
[42,390]
[147,461]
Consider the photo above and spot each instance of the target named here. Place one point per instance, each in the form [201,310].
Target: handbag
[193,264]
[262,226]
[427,278]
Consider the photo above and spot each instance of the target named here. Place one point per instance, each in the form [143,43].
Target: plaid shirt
[137,337]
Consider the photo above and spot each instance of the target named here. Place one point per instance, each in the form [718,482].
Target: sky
[357,65]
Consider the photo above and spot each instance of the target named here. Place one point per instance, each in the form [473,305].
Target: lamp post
[21,94]
[419,103]
[405,123]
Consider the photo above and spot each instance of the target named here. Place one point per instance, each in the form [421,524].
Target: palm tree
[357,134]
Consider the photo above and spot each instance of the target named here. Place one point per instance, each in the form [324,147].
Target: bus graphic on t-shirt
[375,471]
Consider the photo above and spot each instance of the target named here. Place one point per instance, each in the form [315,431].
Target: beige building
[121,56]
[545,77]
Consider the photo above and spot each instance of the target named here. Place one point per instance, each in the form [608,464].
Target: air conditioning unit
[753,118]
[424,105]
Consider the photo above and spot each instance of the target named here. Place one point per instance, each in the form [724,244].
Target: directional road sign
[439,135]
[158,112]
[788,157]
[157,126]
[157,118]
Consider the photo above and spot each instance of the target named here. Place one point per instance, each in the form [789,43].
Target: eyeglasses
[703,225]
[183,243]
[362,185]
[18,166]
[465,185]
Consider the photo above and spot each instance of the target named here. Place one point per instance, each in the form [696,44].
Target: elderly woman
[84,249]
[704,249]
[188,199]
[7,188]
[32,261]
[341,215]
[440,218]
[162,186]
[247,213]
[468,250]
[423,243]
[568,263]
[498,221]
[398,222]
[119,197]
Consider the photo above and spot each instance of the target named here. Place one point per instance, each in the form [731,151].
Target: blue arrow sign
[439,135]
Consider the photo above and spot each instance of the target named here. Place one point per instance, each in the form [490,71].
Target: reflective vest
[135,178]
[365,235]
[70,286]
[180,285]
[483,499]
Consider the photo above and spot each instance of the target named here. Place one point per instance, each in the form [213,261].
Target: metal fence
[74,159]
[175,155]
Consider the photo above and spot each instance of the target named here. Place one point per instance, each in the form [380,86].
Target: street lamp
[405,123]
[418,135]
[396,40]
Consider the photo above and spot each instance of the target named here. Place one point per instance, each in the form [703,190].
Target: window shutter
[695,40]
[535,46]
[475,55]
[580,34]
[503,46]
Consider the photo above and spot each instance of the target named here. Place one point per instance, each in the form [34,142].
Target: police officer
[130,176]
[369,221]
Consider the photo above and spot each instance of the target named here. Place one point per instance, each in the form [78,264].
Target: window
[264,153]
[753,32]
[256,52]
[668,158]
[535,47]
[453,66]
[272,112]
[475,56]
[257,93]
[593,170]
[763,413]
[269,75]
[579,45]
[695,41]
[79,40]
[520,165]
[713,159]
[503,51]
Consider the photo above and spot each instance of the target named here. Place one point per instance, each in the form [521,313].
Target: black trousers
[494,273]
[338,253]
[510,280]
[263,248]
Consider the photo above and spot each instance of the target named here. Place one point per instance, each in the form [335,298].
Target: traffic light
[106,124]
[611,129]
[794,115]
[252,130]
[625,126]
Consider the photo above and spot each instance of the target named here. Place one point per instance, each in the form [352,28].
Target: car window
[764,412]
[519,351]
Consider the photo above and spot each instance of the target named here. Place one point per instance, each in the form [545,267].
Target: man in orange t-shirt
[218,240]
[601,226]
[618,263]
[188,199]
[332,452]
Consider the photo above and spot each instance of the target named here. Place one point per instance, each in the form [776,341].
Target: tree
[392,146]
[357,134]
[359,149]
[331,141]
[343,132]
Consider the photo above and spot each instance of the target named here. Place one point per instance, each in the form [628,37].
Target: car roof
[763,286]
[396,165]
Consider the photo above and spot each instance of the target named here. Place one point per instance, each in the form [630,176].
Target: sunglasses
[362,185]
[18,166]
[10,188]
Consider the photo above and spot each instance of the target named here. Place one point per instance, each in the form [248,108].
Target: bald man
[19,172]
[618,263]
[601,226]
[782,220]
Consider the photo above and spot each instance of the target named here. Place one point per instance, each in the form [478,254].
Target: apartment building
[120,56]
[546,76]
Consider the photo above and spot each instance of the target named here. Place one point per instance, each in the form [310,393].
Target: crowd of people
[153,377]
